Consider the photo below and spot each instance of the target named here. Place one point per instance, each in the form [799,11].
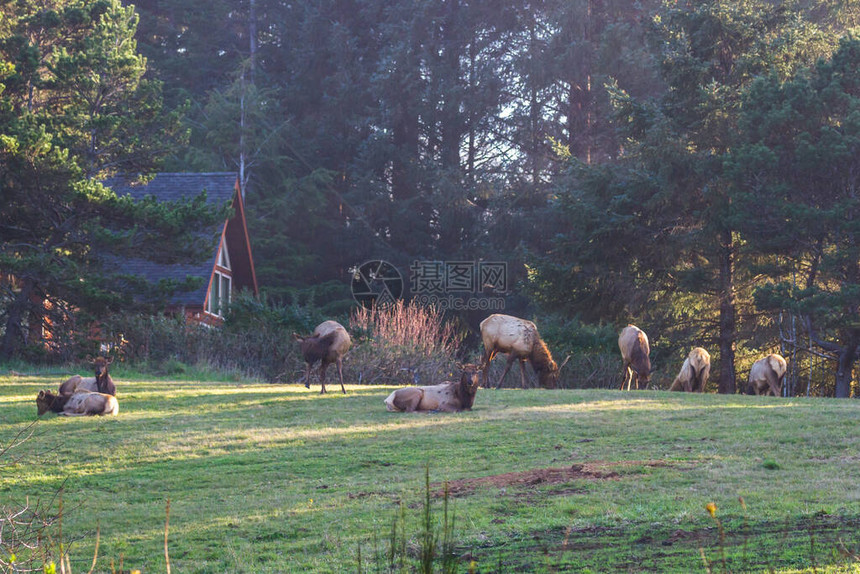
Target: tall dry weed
[402,344]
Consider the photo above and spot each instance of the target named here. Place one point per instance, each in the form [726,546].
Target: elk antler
[564,363]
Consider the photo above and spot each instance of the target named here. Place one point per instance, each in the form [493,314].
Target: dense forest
[688,166]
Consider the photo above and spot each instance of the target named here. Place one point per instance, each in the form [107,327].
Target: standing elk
[520,340]
[633,343]
[694,372]
[77,404]
[447,396]
[101,383]
[328,344]
[766,376]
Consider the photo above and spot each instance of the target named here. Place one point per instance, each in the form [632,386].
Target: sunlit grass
[278,478]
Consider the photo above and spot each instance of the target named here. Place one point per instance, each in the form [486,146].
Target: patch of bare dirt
[597,470]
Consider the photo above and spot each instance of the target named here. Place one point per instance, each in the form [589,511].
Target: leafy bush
[593,349]
[255,340]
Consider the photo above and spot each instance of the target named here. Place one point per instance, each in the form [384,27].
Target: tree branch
[826,345]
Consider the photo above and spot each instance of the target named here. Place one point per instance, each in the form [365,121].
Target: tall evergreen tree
[193,46]
[665,212]
[796,169]
[74,108]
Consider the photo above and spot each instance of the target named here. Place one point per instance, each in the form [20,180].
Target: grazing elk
[328,344]
[448,396]
[520,340]
[766,375]
[77,404]
[694,372]
[633,343]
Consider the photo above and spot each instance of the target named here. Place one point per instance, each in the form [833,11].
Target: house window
[223,256]
[220,291]
[219,294]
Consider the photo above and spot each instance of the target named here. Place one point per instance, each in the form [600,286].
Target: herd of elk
[516,337]
[80,396]
[520,340]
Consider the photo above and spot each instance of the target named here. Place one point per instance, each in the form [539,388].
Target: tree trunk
[847,356]
[452,122]
[13,338]
[727,383]
[252,37]
[472,127]
[405,140]
[406,232]
[579,105]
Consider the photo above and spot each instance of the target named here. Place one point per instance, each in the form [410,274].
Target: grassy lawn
[276,478]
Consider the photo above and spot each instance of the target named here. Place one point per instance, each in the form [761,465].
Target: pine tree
[662,222]
[74,108]
[796,169]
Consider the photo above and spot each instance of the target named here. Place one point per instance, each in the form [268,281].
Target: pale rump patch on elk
[633,343]
[694,373]
[766,376]
[447,396]
[520,340]
[328,344]
[77,404]
[100,383]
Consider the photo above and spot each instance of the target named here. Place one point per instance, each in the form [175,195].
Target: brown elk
[633,343]
[77,383]
[101,383]
[447,396]
[77,404]
[328,344]
[694,373]
[520,340]
[766,376]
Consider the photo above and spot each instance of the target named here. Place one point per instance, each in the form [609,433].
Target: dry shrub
[591,371]
[402,344]
[405,344]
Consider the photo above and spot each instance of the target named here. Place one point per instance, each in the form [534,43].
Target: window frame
[220,293]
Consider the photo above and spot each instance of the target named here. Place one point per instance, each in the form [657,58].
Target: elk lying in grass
[448,396]
[694,372]
[633,343]
[77,404]
[520,340]
[766,376]
[101,383]
[328,344]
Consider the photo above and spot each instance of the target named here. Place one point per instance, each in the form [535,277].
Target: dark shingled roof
[219,188]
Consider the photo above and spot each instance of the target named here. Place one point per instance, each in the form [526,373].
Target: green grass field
[268,478]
